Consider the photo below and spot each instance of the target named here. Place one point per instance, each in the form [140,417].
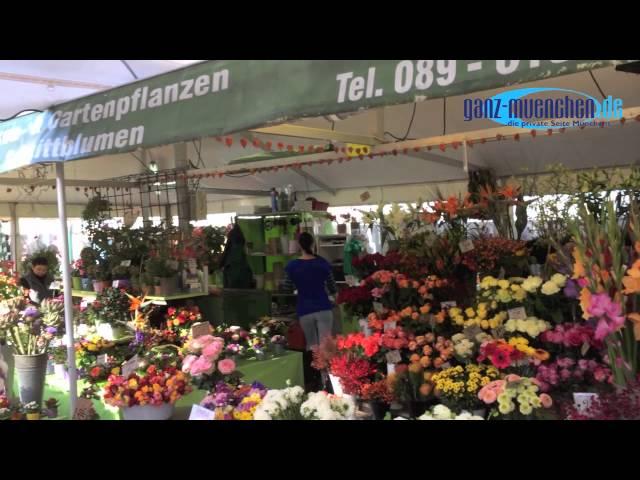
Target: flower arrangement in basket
[152,388]
[180,320]
[205,363]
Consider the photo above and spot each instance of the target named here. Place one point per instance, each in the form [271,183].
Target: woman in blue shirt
[312,276]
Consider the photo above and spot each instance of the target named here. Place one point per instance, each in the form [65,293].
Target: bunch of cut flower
[153,387]
[513,387]
[293,404]
[484,316]
[270,326]
[9,287]
[619,404]
[357,301]
[467,343]
[491,253]
[441,412]
[532,326]
[513,353]
[566,373]
[234,402]
[180,320]
[203,361]
[236,339]
[457,387]
[27,329]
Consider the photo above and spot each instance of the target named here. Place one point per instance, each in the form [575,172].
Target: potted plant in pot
[99,277]
[89,257]
[163,275]
[77,272]
[29,331]
[58,356]
[33,410]
[121,274]
[52,407]
[111,307]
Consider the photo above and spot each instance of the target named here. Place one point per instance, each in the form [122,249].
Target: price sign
[102,359]
[466,246]
[83,410]
[391,368]
[130,366]
[201,413]
[389,326]
[393,357]
[200,329]
[517,313]
[450,304]
[125,263]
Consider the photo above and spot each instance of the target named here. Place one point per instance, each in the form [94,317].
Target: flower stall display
[441,412]
[204,361]
[234,402]
[150,395]
[517,397]
[457,387]
[294,404]
[111,309]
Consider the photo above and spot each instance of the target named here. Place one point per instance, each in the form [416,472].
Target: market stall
[341,155]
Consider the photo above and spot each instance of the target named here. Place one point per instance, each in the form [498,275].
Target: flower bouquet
[149,396]
[203,361]
[325,406]
[180,320]
[281,405]
[511,393]
[28,329]
[457,387]
[234,402]
[441,412]
[9,287]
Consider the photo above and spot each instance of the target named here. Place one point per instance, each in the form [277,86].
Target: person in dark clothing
[234,264]
[37,281]
[312,276]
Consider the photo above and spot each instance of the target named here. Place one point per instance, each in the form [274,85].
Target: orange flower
[509,191]
[438,362]
[425,389]
[429,337]
[632,280]
[415,316]
[585,302]
[451,206]
[637,247]
[425,361]
[578,265]
[406,312]
[635,318]
[425,309]
[403,283]
[412,346]
[427,350]
[414,358]
[440,316]
[541,354]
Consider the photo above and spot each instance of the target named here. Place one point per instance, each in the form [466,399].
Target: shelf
[153,298]
[281,214]
[341,245]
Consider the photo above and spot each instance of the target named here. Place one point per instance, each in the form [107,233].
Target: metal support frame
[66,282]
[314,180]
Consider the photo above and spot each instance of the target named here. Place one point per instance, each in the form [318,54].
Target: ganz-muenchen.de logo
[514,109]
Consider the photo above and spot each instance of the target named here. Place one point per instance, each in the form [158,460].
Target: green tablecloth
[272,372]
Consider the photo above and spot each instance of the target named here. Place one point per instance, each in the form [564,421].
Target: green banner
[221,97]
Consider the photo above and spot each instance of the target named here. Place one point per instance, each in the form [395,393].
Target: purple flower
[51,330]
[571,289]
[31,311]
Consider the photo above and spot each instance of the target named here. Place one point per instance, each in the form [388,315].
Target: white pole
[465,158]
[66,283]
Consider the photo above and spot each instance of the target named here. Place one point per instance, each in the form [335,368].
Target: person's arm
[288,285]
[25,287]
[331,283]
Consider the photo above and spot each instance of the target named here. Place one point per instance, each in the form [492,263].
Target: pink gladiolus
[608,313]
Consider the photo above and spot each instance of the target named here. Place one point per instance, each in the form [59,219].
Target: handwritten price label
[517,313]
[130,366]
[201,413]
[200,329]
[450,304]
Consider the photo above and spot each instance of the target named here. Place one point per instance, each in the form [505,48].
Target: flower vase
[31,371]
[33,416]
[76,283]
[86,284]
[148,412]
[377,408]
[260,356]
[415,408]
[278,349]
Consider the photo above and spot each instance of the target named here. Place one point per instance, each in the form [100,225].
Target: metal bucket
[31,371]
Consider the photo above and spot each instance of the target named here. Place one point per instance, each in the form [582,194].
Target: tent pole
[66,283]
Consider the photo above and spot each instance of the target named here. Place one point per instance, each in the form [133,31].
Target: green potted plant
[33,410]
[58,356]
[52,407]
[100,278]
[163,275]
[111,307]
[77,272]
[121,274]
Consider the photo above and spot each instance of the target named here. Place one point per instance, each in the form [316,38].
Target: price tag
[446,365]
[466,246]
[517,314]
[201,413]
[115,284]
[393,356]
[450,304]
[125,263]
[102,359]
[378,307]
[200,329]
[389,326]
[55,285]
[83,410]
[130,366]
[391,368]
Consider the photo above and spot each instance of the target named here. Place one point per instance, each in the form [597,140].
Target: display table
[152,298]
[272,372]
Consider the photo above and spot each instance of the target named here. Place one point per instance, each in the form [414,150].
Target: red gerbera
[500,359]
